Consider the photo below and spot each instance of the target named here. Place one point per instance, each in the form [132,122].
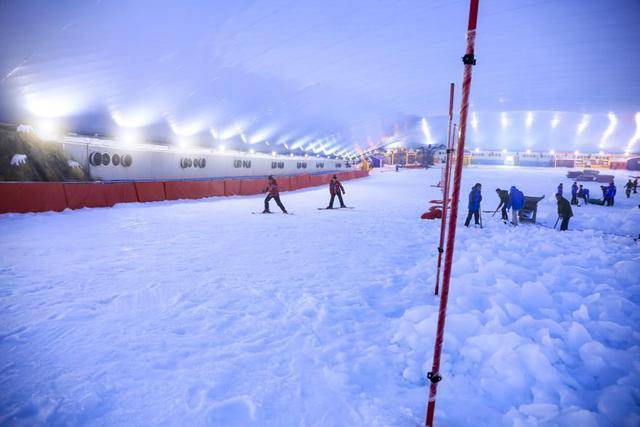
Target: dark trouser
[628,193]
[574,199]
[333,196]
[476,216]
[586,201]
[609,201]
[564,225]
[505,217]
[278,202]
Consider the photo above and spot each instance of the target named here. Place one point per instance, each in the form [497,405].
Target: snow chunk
[18,159]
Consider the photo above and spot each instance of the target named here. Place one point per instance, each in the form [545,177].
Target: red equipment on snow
[469,61]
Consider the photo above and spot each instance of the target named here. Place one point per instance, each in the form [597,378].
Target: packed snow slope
[199,313]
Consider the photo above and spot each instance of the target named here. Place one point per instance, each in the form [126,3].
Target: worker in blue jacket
[475,197]
[516,202]
[610,194]
[574,193]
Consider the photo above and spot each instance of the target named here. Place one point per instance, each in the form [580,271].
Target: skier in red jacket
[336,189]
[272,193]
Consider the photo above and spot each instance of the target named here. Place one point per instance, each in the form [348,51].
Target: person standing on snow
[504,200]
[272,193]
[574,193]
[336,189]
[627,188]
[475,197]
[583,193]
[564,212]
[559,189]
[610,194]
[635,185]
[516,202]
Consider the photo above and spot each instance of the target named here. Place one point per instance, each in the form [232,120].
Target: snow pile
[199,313]
[18,159]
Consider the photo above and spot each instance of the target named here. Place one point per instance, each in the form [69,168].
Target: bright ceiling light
[47,130]
[222,148]
[584,123]
[186,129]
[291,155]
[273,153]
[252,151]
[552,152]
[474,121]
[555,121]
[504,120]
[132,119]
[214,133]
[52,105]
[529,120]
[129,138]
[426,131]
[528,151]
[477,150]
[636,136]
[576,152]
[613,122]
[504,150]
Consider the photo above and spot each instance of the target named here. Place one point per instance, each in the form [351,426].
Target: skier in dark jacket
[574,193]
[516,203]
[336,189]
[564,212]
[475,197]
[610,194]
[627,188]
[559,189]
[272,193]
[504,201]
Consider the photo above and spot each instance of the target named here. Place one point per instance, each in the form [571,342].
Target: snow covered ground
[199,313]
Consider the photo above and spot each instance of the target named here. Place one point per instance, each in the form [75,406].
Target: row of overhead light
[580,127]
[550,152]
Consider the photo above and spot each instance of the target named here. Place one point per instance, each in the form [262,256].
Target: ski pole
[554,225]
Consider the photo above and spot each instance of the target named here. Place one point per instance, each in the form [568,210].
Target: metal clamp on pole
[469,59]
[440,249]
[434,377]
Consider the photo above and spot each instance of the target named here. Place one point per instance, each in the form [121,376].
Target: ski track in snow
[199,313]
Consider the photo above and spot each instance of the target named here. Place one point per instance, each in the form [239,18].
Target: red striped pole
[469,61]
[445,196]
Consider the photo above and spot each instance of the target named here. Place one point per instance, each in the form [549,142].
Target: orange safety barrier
[315,180]
[22,197]
[124,192]
[85,195]
[150,191]
[231,187]
[249,187]
[216,188]
[176,190]
[284,183]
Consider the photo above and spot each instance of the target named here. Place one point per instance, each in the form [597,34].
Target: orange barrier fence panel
[284,183]
[252,186]
[22,197]
[216,188]
[124,192]
[85,195]
[231,187]
[176,190]
[150,191]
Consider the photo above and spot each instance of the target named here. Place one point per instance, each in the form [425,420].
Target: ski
[269,213]
[335,209]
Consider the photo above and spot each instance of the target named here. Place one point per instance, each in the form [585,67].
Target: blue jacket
[474,200]
[560,189]
[586,192]
[516,199]
[611,191]
[574,190]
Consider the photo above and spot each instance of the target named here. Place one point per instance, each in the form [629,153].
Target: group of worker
[512,200]
[273,193]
